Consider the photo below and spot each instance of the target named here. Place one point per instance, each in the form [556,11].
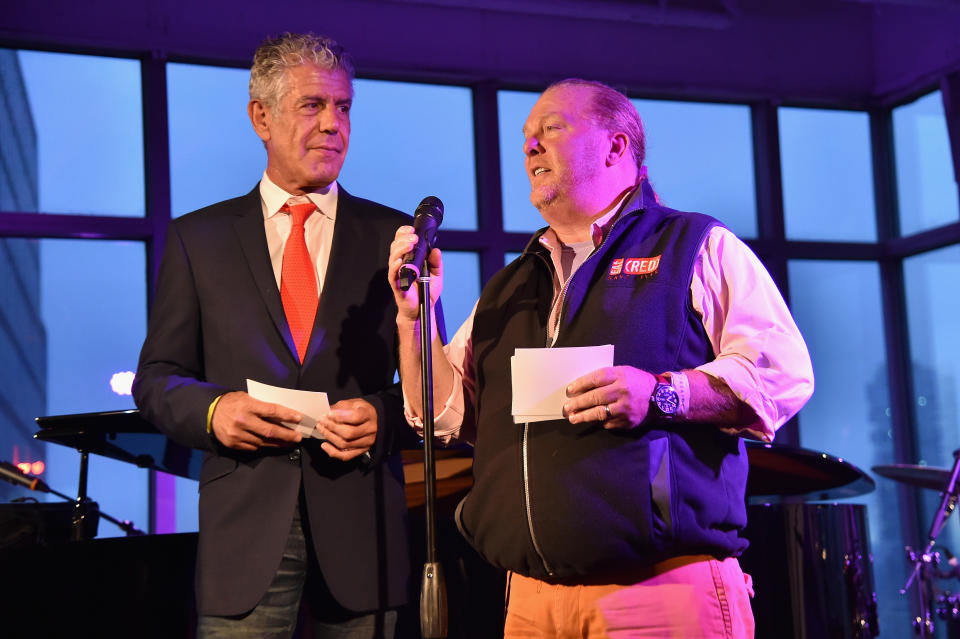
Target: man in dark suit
[285,286]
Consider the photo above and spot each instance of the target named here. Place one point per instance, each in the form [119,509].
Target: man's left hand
[350,429]
[617,396]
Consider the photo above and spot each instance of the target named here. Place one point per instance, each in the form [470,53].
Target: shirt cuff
[446,425]
[682,385]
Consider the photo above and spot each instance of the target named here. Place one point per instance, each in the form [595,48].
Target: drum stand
[925,564]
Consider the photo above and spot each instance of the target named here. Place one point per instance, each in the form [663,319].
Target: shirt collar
[273,198]
[598,230]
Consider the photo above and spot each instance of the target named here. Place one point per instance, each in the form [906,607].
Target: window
[408,141]
[72,312]
[827,175]
[700,158]
[926,186]
[461,287]
[688,143]
[23,351]
[837,306]
[518,213]
[932,312]
[214,153]
[87,115]
[93,314]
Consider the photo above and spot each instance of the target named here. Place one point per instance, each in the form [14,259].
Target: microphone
[12,474]
[426,220]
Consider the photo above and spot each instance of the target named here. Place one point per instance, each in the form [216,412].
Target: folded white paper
[540,377]
[311,404]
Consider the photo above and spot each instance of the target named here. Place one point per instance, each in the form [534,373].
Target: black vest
[557,499]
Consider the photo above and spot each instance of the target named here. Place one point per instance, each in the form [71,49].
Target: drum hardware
[924,572]
[948,606]
[926,563]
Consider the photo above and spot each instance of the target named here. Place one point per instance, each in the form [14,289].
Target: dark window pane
[827,175]
[926,186]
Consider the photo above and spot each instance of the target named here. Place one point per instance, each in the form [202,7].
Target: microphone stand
[924,562]
[85,513]
[433,588]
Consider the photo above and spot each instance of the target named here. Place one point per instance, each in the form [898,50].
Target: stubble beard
[544,198]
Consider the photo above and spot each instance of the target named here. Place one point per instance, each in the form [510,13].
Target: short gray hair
[275,55]
[613,111]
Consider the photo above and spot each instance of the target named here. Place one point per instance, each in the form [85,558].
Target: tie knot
[299,211]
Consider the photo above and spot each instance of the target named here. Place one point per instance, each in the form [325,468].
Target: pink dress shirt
[761,355]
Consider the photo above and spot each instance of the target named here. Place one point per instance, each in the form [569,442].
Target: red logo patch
[644,266]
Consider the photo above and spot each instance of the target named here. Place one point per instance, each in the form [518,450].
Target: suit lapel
[253,241]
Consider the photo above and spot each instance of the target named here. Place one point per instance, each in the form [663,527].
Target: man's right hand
[244,423]
[408,302]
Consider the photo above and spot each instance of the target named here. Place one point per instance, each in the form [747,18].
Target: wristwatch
[665,400]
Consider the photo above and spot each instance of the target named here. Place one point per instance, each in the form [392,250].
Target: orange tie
[298,278]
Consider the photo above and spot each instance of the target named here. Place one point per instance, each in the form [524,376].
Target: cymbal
[782,471]
[920,476]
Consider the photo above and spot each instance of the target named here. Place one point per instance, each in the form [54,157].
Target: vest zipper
[550,342]
[526,496]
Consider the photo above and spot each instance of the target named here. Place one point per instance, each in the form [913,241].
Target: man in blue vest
[626,516]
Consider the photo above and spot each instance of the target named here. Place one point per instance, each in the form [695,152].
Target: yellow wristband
[213,406]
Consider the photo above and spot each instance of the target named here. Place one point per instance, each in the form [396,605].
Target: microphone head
[431,206]
[12,474]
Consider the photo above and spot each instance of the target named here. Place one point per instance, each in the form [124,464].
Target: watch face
[666,399]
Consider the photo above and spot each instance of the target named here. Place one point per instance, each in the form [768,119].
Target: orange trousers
[689,597]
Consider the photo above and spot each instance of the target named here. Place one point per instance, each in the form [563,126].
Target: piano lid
[778,471]
[122,435]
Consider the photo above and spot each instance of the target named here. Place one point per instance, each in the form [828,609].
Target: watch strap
[681,384]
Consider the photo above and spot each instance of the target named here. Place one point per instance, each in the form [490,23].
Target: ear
[260,118]
[619,148]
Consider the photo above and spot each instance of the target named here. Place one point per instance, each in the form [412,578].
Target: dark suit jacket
[217,319]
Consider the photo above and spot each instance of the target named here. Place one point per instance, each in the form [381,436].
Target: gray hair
[275,55]
[613,111]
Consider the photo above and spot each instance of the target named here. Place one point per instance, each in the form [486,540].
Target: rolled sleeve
[448,425]
[761,355]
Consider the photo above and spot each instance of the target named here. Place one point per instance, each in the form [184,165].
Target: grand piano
[809,557]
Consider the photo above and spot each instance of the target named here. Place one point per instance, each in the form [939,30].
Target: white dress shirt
[318,229]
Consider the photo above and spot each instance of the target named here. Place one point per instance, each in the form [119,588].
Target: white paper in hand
[540,377]
[311,404]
